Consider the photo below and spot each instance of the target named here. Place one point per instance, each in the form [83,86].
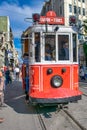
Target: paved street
[20,116]
[16,113]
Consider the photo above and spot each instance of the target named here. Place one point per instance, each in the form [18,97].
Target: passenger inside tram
[50,47]
[48,52]
[64,52]
[63,43]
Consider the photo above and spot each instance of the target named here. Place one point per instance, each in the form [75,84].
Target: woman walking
[1,92]
[1,89]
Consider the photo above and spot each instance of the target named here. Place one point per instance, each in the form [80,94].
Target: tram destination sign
[51,18]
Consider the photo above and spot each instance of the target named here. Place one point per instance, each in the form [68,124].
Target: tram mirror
[56,29]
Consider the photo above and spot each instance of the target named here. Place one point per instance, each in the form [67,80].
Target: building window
[60,10]
[72,20]
[75,9]
[83,1]
[70,8]
[74,1]
[79,10]
[83,11]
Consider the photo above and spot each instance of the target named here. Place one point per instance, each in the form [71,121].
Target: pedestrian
[1,89]
[82,73]
[11,75]
[17,72]
[7,76]
[1,120]
[1,92]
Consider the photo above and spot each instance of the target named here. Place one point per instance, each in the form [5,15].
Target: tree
[85,25]
[85,51]
[85,43]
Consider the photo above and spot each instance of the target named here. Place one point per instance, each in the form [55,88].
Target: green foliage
[85,25]
[85,48]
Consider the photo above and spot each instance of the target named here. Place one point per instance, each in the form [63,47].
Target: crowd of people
[7,75]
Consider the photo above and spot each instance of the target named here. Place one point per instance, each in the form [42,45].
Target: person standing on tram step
[1,89]
[64,52]
[27,87]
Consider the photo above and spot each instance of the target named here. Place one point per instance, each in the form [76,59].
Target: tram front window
[50,47]
[63,47]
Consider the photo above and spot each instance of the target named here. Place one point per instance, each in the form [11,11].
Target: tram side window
[50,47]
[74,47]
[63,47]
[37,47]
[30,50]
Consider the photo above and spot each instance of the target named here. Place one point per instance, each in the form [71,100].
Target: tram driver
[64,52]
[48,52]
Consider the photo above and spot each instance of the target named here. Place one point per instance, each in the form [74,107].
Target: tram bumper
[56,97]
[55,100]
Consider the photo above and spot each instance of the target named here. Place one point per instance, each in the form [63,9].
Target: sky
[18,11]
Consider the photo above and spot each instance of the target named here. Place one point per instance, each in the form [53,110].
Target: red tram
[53,70]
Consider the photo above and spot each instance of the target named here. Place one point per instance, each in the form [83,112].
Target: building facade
[65,8]
[71,10]
[7,49]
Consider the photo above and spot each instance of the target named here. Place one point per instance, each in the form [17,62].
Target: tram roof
[51,28]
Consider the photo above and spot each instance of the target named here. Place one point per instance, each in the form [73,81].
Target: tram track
[65,113]
[84,94]
[73,119]
[69,116]
[83,86]
[41,121]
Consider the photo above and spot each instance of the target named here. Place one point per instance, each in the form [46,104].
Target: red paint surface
[40,86]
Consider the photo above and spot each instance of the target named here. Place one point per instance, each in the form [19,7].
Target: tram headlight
[49,71]
[56,81]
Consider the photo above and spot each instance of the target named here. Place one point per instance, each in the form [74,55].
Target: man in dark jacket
[64,52]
